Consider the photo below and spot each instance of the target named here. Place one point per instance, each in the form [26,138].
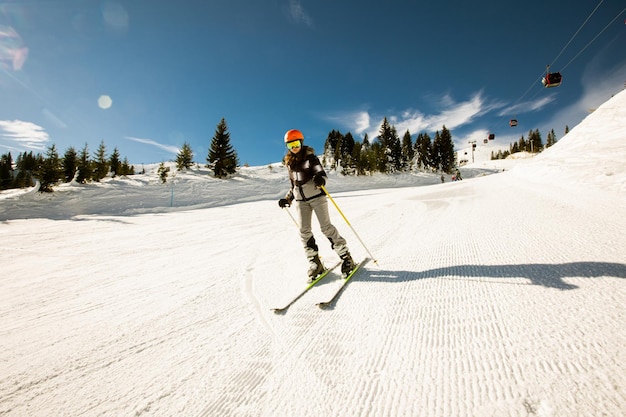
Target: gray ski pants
[319,206]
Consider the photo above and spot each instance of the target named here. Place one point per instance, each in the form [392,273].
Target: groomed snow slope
[501,295]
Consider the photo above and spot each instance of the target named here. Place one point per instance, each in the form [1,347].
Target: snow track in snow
[470,312]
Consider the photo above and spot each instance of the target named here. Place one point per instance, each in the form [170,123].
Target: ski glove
[283,202]
[319,180]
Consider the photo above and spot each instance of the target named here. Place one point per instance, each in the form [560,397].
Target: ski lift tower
[473,143]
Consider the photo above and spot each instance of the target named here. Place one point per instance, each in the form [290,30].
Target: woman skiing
[307,176]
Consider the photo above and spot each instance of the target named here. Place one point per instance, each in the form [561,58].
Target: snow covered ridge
[592,154]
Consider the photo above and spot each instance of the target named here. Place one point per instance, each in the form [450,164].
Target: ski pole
[348,223]
[291,215]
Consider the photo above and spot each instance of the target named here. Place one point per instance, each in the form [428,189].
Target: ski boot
[347,265]
[315,268]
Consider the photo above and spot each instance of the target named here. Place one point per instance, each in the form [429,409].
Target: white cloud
[297,14]
[527,106]
[357,122]
[452,115]
[23,134]
[362,122]
[168,148]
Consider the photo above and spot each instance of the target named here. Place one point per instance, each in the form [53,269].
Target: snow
[498,295]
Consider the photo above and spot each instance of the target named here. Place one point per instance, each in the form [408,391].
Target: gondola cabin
[486,141]
[491,136]
[552,80]
[512,122]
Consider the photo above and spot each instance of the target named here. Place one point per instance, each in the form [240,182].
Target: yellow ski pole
[348,223]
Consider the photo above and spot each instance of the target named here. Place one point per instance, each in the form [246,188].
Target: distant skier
[458,175]
[307,176]
[443,179]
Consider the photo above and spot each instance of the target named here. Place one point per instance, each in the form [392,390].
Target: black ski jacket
[301,173]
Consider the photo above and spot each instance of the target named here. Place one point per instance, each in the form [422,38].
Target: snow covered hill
[499,295]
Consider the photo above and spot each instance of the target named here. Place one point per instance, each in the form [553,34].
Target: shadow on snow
[547,275]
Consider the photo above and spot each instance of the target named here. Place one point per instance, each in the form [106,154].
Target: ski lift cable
[519,100]
[579,29]
[596,37]
[534,83]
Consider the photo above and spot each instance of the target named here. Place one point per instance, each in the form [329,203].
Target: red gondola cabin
[512,122]
[551,79]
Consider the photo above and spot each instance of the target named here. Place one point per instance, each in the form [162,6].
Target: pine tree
[26,165]
[50,171]
[222,158]
[436,155]
[390,157]
[100,163]
[423,151]
[127,169]
[357,158]
[332,148]
[6,171]
[396,151]
[184,159]
[163,172]
[345,153]
[114,163]
[551,139]
[85,171]
[408,152]
[69,163]
[447,156]
[27,162]
[378,157]
[365,161]
[534,145]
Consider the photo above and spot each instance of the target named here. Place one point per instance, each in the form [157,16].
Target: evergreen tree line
[51,168]
[533,144]
[387,153]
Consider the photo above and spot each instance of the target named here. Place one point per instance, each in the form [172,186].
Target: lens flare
[104,102]
[12,52]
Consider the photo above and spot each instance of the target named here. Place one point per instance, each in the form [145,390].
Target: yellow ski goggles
[294,144]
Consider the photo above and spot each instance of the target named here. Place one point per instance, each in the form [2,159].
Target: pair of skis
[333,297]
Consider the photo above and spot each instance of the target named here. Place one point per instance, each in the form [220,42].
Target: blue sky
[145,76]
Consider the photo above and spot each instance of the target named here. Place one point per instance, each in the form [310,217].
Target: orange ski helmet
[292,135]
